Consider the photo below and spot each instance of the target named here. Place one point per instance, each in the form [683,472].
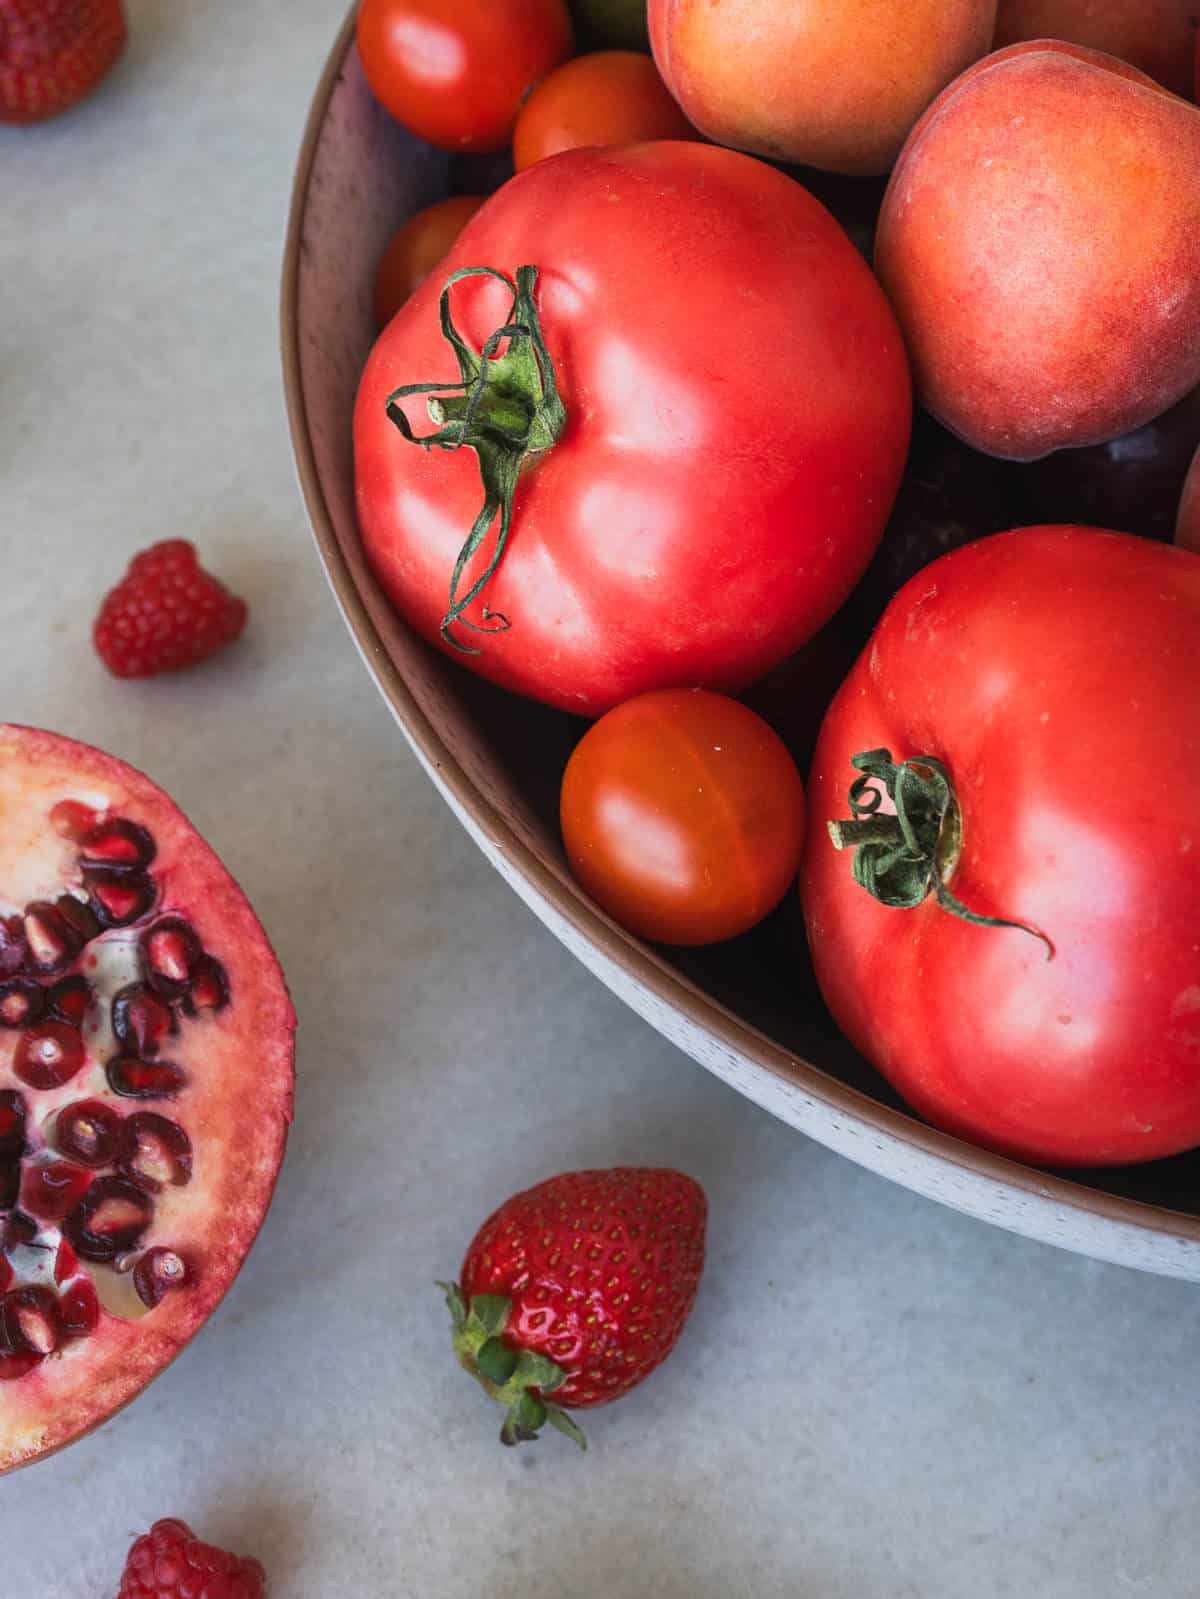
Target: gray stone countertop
[875,1398]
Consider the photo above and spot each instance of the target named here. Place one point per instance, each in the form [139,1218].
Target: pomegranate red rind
[201,1161]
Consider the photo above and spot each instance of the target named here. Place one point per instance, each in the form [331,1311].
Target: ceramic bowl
[747,1011]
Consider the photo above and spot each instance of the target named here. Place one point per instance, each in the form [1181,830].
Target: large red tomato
[734,418]
[1052,673]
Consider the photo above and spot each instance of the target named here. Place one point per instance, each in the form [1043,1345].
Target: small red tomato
[455,72]
[683,816]
[417,247]
[611,97]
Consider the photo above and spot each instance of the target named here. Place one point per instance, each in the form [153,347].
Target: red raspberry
[55,52]
[166,612]
[169,1563]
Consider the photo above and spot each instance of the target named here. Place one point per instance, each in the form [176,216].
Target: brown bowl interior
[499,759]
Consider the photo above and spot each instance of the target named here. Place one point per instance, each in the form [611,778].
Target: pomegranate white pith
[204,1035]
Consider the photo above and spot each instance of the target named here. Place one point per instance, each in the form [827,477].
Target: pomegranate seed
[139,1079]
[29,1320]
[119,898]
[6,1273]
[109,1219]
[13,1366]
[157,1273]
[90,1132]
[210,987]
[12,1123]
[159,1152]
[10,1183]
[77,913]
[49,1055]
[68,1000]
[79,1310]
[66,1263]
[170,949]
[118,843]
[21,1002]
[52,1189]
[72,819]
[52,942]
[13,949]
[141,1020]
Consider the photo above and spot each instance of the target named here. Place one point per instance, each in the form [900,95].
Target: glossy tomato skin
[455,72]
[609,97]
[683,816]
[1053,671]
[738,410]
[416,248]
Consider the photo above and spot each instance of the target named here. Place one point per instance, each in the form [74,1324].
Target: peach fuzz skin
[1040,243]
[1156,35]
[835,84]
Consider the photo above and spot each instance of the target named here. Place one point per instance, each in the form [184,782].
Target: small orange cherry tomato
[455,72]
[683,816]
[611,97]
[417,248]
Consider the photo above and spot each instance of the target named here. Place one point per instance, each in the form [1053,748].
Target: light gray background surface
[875,1398]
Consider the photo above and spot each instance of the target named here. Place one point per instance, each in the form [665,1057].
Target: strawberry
[169,1562]
[579,1288]
[54,52]
[167,612]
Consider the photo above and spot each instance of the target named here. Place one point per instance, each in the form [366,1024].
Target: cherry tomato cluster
[672,455]
[481,76]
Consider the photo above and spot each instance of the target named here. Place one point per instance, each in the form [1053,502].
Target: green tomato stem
[507,409]
[901,859]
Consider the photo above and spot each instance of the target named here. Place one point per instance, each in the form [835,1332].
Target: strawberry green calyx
[518,1379]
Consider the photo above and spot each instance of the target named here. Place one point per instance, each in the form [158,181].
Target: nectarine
[1040,241]
[835,84]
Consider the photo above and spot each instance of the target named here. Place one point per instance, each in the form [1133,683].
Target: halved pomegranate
[145,1085]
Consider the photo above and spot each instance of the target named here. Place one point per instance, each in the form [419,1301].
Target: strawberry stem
[518,1379]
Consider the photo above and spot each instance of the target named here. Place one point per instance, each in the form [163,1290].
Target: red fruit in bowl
[141,1131]
[53,53]
[683,496]
[578,1288]
[1045,264]
[170,1562]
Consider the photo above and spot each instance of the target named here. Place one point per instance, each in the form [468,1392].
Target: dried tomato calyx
[518,1379]
[506,408]
[901,859]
